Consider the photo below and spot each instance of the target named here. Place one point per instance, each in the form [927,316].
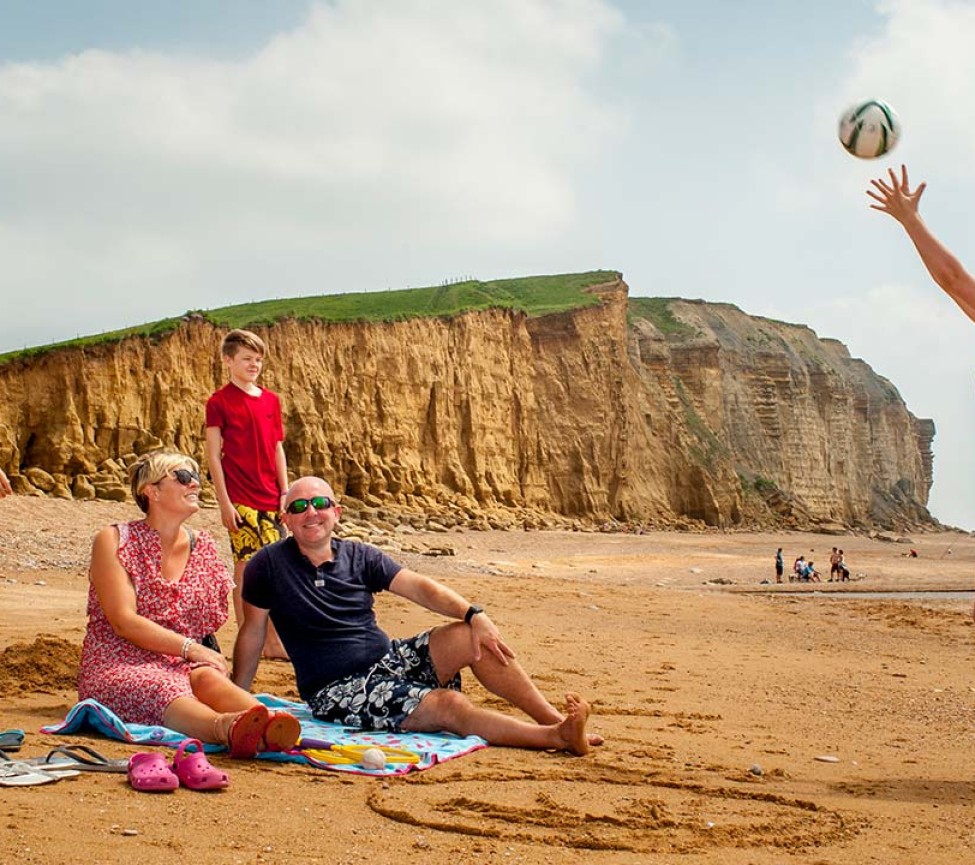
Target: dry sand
[693,685]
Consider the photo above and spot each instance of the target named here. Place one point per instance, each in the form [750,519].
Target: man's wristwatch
[472,611]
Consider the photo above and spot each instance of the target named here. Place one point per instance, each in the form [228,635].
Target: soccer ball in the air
[869,129]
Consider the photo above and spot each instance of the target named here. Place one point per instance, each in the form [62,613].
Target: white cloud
[404,134]
[922,63]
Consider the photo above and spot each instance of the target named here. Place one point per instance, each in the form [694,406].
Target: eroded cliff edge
[653,412]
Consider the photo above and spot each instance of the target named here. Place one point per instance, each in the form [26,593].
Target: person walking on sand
[156,590]
[894,197]
[779,565]
[245,453]
[319,592]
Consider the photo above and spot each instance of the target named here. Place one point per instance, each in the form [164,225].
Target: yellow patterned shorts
[259,529]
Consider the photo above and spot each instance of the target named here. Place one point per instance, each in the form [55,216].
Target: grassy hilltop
[533,295]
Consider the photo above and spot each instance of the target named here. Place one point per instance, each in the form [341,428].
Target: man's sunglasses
[319,503]
[186,476]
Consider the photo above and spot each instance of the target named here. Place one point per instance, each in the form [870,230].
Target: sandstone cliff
[683,411]
[814,434]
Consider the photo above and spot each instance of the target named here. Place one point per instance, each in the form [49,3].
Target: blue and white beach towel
[431,748]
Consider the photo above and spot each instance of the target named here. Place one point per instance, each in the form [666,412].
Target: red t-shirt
[251,429]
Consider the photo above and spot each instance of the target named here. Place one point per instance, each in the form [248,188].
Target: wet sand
[715,699]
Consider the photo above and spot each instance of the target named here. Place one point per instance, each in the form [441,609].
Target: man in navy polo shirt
[318,591]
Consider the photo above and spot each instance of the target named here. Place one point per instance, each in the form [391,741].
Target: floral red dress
[135,683]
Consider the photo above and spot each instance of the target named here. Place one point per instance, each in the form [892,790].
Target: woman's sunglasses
[319,503]
[186,476]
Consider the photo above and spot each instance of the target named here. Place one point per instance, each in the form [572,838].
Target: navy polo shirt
[323,615]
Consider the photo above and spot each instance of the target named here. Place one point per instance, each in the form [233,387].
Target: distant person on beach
[156,590]
[806,571]
[894,196]
[843,568]
[798,569]
[5,488]
[779,565]
[318,590]
[245,453]
[834,564]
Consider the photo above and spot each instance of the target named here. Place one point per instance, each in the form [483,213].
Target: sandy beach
[716,695]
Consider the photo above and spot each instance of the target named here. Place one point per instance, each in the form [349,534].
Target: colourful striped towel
[431,748]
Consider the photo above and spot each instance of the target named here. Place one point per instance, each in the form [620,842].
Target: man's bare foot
[573,729]
[595,740]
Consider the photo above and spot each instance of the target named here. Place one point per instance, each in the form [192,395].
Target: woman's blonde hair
[153,467]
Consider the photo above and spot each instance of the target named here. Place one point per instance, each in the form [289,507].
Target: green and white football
[869,129]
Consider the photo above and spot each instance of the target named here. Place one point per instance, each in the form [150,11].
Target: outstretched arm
[895,198]
[438,598]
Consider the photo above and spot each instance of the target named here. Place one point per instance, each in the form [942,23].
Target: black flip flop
[79,757]
[22,773]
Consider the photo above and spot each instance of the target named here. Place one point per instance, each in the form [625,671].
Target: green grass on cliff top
[658,311]
[533,295]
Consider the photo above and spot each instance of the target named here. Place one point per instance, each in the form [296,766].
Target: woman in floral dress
[156,590]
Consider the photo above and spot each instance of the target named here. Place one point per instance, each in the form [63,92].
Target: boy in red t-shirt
[245,453]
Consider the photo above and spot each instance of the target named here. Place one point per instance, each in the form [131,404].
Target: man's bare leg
[452,711]
[451,650]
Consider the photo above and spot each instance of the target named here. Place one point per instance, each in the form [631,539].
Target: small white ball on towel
[373,758]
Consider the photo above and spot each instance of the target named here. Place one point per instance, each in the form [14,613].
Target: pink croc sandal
[150,773]
[194,770]
[246,732]
[282,732]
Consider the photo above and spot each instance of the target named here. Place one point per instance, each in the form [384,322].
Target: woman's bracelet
[189,641]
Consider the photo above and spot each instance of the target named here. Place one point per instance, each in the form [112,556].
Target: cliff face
[730,420]
[813,433]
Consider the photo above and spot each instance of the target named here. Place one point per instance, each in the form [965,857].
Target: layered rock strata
[812,432]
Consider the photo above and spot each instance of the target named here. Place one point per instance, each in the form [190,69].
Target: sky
[158,158]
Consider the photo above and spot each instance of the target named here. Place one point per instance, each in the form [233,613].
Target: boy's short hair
[238,339]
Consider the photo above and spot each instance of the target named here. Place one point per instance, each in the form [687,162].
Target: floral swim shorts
[383,696]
